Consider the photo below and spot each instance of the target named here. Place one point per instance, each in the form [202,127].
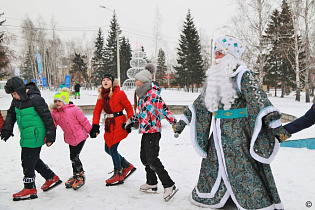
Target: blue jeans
[115,155]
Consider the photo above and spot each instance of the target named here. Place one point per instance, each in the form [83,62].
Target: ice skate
[79,181]
[148,188]
[169,192]
[51,183]
[69,183]
[25,194]
[128,171]
[116,179]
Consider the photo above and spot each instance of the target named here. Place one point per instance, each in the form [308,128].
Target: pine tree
[190,65]
[111,48]
[98,63]
[4,60]
[125,57]
[27,67]
[78,69]
[286,44]
[161,68]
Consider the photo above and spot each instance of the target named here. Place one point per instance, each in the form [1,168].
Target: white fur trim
[239,72]
[184,118]
[193,135]
[257,129]
[219,205]
[275,123]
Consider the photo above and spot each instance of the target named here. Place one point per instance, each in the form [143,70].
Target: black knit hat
[109,76]
[16,84]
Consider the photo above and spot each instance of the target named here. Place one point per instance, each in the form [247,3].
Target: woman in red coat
[113,101]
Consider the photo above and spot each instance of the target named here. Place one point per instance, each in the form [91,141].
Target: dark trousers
[75,151]
[149,153]
[116,157]
[31,162]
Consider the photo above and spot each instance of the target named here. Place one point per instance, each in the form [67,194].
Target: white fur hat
[229,45]
[145,75]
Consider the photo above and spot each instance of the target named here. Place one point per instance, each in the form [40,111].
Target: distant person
[77,90]
[62,85]
[237,132]
[76,128]
[150,108]
[1,121]
[307,120]
[36,128]
[113,101]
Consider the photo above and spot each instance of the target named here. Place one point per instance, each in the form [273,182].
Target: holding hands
[5,135]
[95,130]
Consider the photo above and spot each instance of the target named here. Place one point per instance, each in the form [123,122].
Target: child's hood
[32,88]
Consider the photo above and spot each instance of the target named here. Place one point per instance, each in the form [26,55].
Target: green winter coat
[33,118]
[31,126]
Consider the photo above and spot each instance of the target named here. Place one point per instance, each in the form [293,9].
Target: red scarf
[105,98]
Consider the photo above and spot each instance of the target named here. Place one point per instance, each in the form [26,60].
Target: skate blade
[150,191]
[78,186]
[132,170]
[25,198]
[171,195]
[52,186]
[113,184]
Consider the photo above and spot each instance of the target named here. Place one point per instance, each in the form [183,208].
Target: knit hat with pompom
[63,95]
[145,75]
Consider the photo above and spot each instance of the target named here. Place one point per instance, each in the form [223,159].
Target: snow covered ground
[293,168]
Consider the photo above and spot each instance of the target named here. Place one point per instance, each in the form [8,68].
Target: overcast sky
[136,17]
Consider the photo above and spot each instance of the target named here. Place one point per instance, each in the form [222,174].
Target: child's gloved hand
[6,134]
[179,127]
[127,125]
[281,134]
[95,130]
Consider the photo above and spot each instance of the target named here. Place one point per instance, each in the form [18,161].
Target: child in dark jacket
[150,107]
[76,128]
[303,122]
[36,126]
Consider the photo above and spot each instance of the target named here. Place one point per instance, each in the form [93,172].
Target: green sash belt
[231,113]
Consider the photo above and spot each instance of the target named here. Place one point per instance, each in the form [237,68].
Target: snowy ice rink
[293,168]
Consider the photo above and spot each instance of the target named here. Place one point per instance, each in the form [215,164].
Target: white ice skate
[148,188]
[169,192]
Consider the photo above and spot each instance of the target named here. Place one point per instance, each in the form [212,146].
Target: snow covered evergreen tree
[161,67]
[98,63]
[190,65]
[125,57]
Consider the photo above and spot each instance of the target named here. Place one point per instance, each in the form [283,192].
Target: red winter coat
[1,121]
[118,102]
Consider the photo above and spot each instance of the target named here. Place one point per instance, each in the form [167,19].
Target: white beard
[220,89]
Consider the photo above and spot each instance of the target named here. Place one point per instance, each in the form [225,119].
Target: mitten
[125,128]
[95,129]
[281,134]
[179,127]
[6,134]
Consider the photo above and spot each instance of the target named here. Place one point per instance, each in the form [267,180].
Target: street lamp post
[117,44]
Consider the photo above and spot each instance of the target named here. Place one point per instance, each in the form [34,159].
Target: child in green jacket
[37,128]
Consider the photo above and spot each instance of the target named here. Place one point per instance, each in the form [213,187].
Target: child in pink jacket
[76,128]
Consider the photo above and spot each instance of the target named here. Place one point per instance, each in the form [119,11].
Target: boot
[25,194]
[116,178]
[79,96]
[169,192]
[75,97]
[79,181]
[69,183]
[148,188]
[50,183]
[128,168]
